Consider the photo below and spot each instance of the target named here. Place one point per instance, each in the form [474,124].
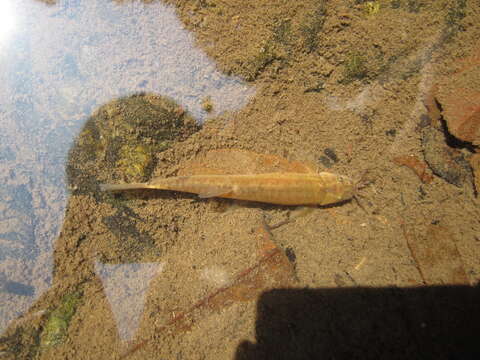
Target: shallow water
[106,91]
[60,63]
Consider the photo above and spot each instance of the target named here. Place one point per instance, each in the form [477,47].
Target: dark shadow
[367,323]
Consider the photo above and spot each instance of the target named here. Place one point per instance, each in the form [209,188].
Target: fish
[272,188]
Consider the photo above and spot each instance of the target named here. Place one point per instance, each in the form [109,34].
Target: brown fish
[272,188]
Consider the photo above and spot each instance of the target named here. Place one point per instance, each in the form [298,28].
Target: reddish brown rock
[418,167]
[459,97]
[475,164]
[436,255]
[461,111]
[433,110]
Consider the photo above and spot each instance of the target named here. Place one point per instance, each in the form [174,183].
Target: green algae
[255,65]
[207,104]
[312,25]
[134,161]
[455,14]
[285,41]
[282,32]
[372,8]
[395,4]
[58,321]
[414,6]
[355,68]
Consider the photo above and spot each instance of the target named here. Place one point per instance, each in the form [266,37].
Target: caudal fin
[120,187]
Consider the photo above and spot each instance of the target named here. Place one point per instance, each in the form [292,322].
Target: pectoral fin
[215,193]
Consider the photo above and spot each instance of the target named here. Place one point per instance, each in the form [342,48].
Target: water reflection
[126,286]
[7,19]
[58,64]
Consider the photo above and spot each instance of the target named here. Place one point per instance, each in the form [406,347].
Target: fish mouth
[348,187]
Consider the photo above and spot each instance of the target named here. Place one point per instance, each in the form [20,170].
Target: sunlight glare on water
[7,19]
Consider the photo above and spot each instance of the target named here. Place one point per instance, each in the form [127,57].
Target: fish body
[272,188]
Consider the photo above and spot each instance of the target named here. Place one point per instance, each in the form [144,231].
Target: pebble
[331,154]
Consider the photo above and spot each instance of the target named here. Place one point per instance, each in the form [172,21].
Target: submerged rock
[458,97]
[122,138]
[445,162]
[475,164]
[453,138]
[120,143]
[460,104]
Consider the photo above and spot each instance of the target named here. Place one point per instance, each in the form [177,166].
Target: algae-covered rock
[120,140]
[55,329]
[120,143]
[134,161]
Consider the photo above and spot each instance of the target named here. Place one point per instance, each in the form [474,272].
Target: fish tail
[120,187]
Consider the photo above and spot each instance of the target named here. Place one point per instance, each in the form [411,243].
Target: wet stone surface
[448,163]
